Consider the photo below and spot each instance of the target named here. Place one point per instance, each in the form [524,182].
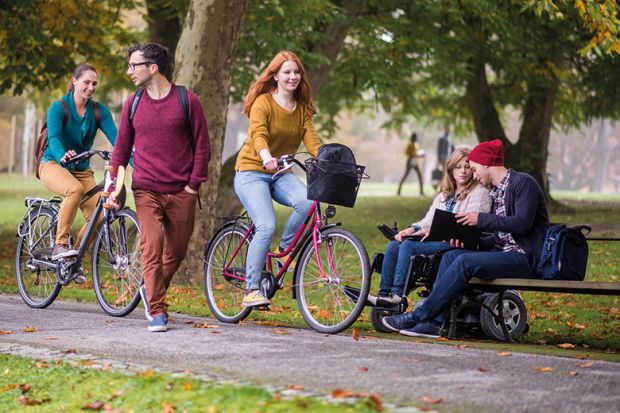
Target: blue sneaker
[400,321]
[147,310]
[159,323]
[424,329]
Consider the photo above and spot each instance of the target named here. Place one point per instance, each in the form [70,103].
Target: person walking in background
[413,162]
[280,107]
[171,160]
[444,148]
[72,123]
[460,193]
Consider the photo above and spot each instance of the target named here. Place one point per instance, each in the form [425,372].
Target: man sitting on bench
[519,222]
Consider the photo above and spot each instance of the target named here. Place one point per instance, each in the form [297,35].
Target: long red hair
[266,83]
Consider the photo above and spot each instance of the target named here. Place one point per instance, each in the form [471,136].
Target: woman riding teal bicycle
[72,124]
[279,105]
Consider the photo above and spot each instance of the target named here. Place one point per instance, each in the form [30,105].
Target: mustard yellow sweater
[277,129]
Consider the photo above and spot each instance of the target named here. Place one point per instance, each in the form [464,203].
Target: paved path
[400,371]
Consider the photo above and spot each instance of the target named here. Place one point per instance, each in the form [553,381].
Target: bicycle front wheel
[225,293]
[332,299]
[38,285]
[117,273]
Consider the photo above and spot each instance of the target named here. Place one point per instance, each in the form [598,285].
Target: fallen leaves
[362,369]
[30,329]
[5,332]
[504,353]
[545,369]
[340,393]
[586,365]
[205,325]
[566,345]
[26,401]
[296,387]
[355,334]
[280,331]
[482,369]
[430,400]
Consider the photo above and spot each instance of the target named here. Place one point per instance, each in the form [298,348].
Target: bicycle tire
[331,306]
[117,284]
[38,286]
[223,295]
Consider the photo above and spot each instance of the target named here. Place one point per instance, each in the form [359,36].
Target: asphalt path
[400,371]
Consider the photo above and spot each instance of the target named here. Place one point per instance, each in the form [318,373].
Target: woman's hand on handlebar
[68,155]
[269,162]
[112,201]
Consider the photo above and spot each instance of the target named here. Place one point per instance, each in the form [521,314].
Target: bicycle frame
[310,229]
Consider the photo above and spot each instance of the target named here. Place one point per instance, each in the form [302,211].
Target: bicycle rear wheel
[331,303]
[117,273]
[38,285]
[224,294]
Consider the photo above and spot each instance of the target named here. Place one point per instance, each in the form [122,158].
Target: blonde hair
[448,183]
[266,83]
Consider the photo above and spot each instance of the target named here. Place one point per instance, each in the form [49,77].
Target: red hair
[266,83]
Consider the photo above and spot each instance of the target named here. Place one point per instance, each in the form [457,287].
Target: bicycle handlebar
[286,162]
[105,155]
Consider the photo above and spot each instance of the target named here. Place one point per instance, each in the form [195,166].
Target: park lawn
[592,323]
[56,386]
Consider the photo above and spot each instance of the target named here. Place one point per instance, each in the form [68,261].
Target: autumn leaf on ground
[29,402]
[430,400]
[572,373]
[168,408]
[582,356]
[5,332]
[461,346]
[362,369]
[566,345]
[30,329]
[147,373]
[85,363]
[586,365]
[266,323]
[70,351]
[297,387]
[95,406]
[8,387]
[205,325]
[189,322]
[414,360]
[280,331]
[504,353]
[51,338]
[24,388]
[340,394]
[482,369]
[355,334]
[377,401]
[41,365]
[545,369]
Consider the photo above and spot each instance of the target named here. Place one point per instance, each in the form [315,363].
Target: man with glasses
[172,152]
[519,222]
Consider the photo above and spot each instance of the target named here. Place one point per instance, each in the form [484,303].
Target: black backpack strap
[182,90]
[134,105]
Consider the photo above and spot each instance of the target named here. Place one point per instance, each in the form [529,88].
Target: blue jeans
[396,262]
[255,191]
[458,266]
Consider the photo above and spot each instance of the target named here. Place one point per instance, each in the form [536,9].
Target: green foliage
[44,40]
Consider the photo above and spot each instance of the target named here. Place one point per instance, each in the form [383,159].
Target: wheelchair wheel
[515,316]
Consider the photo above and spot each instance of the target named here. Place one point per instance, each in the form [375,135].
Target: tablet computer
[444,228]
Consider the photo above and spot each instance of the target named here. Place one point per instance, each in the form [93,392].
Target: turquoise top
[78,133]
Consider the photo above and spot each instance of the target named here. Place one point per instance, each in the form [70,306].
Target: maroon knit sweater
[164,160]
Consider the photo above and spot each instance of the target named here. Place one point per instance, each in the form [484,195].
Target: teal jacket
[77,134]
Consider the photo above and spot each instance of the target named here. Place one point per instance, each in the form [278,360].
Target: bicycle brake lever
[281,171]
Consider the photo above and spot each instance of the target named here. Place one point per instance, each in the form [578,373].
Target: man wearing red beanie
[518,221]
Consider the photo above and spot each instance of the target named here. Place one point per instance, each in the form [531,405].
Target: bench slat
[558,286]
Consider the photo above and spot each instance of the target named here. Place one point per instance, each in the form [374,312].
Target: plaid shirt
[499,200]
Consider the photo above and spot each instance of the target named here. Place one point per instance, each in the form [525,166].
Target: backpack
[334,177]
[565,253]
[182,99]
[42,139]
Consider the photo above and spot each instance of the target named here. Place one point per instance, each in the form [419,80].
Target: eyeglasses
[132,66]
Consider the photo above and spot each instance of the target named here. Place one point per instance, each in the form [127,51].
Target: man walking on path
[172,152]
[519,222]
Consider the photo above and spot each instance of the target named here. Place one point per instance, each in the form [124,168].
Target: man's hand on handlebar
[68,155]
[113,202]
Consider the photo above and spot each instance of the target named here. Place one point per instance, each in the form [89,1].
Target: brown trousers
[166,225]
[72,185]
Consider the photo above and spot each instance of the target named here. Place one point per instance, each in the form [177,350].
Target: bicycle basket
[333,177]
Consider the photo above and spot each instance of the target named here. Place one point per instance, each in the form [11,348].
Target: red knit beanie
[488,153]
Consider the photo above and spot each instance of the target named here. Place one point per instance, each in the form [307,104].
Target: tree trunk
[164,25]
[204,61]
[530,153]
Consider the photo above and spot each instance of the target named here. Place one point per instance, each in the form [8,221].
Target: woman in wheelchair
[459,193]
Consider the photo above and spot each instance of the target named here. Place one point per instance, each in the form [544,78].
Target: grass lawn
[591,323]
[58,386]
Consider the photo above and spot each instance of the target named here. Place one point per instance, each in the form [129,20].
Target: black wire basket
[333,182]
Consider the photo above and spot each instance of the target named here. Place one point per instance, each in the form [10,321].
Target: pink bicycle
[330,281]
